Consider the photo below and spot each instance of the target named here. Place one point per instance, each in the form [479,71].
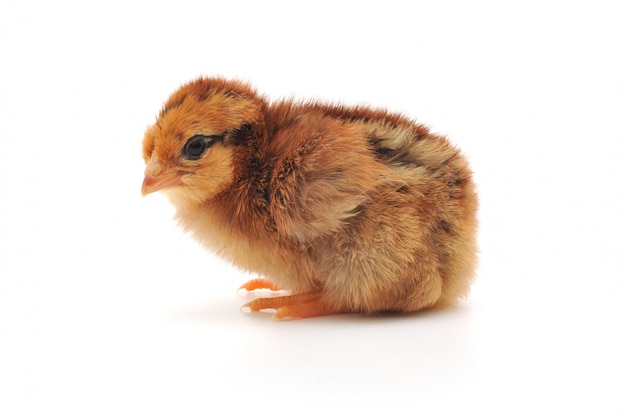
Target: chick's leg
[259,284]
[302,305]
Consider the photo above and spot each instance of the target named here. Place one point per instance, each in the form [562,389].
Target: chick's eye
[195,147]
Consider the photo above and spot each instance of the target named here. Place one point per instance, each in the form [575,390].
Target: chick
[351,209]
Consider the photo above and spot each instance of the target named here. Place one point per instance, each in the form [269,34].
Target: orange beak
[156,177]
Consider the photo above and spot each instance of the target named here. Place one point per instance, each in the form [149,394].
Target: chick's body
[351,209]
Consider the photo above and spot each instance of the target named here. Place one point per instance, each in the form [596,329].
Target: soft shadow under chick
[352,209]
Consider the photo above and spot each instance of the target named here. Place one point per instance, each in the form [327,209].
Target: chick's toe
[302,305]
[255,284]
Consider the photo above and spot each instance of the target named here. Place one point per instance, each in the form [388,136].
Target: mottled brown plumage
[352,209]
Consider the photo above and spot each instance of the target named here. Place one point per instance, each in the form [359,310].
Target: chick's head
[190,150]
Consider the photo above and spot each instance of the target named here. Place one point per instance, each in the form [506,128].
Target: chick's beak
[157,177]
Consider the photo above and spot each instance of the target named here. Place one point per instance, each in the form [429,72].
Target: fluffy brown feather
[352,209]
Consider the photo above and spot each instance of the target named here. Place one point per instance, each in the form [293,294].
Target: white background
[107,308]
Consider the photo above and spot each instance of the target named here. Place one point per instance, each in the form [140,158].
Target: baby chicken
[351,209]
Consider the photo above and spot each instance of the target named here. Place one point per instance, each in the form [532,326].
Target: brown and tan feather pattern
[352,209]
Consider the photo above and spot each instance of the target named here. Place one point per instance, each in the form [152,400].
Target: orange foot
[302,305]
[259,284]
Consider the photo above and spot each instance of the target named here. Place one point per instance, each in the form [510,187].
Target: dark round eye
[195,147]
